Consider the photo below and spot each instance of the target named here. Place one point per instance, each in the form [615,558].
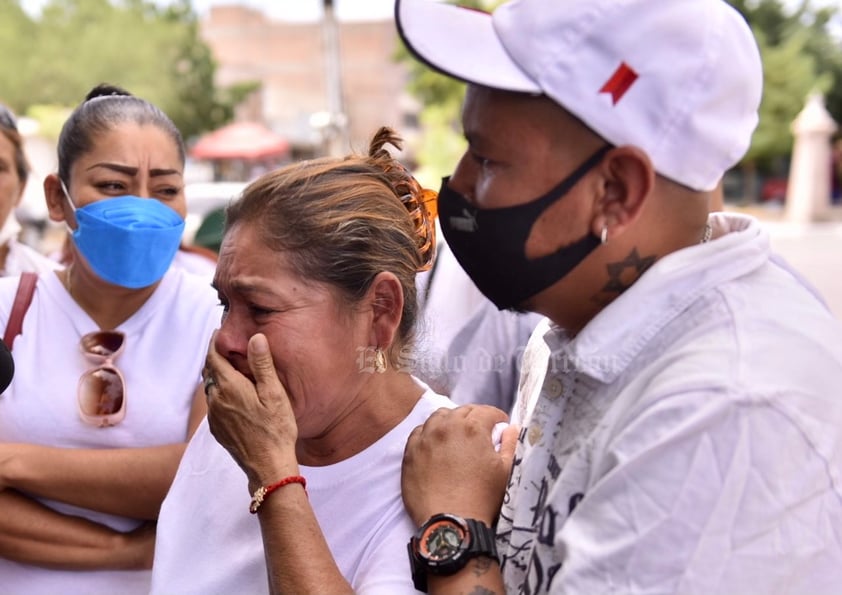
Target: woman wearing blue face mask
[108,360]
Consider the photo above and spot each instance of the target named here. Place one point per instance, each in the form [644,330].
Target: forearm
[480,576]
[129,482]
[298,559]
[31,533]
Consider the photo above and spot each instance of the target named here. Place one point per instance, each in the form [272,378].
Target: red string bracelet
[261,493]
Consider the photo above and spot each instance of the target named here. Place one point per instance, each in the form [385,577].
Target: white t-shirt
[687,440]
[467,349]
[165,347]
[208,543]
[22,258]
[195,263]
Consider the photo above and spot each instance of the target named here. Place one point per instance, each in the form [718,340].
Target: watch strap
[482,542]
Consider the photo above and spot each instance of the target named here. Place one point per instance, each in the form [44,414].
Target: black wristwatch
[444,544]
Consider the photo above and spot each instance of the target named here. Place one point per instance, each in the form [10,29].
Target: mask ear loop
[72,206]
[66,253]
[67,195]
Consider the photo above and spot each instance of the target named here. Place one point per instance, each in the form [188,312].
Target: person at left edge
[7,367]
[78,483]
[15,256]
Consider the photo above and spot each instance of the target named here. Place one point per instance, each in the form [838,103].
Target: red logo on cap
[619,83]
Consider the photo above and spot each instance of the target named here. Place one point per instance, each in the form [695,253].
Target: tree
[789,73]
[800,55]
[196,105]
[17,33]
[441,143]
[153,51]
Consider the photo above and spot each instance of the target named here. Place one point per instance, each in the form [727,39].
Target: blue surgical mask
[127,240]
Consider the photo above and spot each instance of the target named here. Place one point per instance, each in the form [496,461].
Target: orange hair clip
[421,204]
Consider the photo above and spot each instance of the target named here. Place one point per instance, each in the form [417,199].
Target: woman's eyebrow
[132,171]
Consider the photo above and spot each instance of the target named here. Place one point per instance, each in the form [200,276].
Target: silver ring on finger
[209,382]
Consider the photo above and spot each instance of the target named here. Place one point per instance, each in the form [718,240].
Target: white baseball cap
[681,79]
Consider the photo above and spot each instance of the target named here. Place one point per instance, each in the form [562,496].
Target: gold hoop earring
[603,238]
[379,361]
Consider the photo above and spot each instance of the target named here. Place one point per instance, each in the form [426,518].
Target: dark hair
[341,221]
[9,129]
[104,107]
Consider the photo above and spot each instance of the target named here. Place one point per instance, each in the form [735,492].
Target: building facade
[298,93]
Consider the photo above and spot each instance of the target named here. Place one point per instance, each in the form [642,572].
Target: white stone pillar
[808,189]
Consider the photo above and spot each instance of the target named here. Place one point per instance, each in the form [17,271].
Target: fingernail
[259,344]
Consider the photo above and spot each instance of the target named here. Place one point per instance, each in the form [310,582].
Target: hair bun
[106,90]
[419,202]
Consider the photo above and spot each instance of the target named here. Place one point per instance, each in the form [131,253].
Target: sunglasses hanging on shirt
[102,389]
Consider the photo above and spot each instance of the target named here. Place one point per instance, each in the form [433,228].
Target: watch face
[443,540]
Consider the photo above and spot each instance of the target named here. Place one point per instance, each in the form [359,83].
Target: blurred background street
[814,249]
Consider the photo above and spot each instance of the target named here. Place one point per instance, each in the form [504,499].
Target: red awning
[240,140]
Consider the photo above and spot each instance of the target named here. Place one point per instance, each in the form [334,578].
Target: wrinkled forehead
[245,258]
[235,245]
[249,269]
[144,146]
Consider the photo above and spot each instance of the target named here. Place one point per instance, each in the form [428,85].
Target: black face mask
[490,244]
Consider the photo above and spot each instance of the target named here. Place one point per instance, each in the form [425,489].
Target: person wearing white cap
[679,412]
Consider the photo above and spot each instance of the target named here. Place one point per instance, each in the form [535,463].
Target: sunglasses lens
[101,392]
[102,343]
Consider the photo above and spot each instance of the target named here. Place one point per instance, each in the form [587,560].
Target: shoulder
[22,258]
[429,402]
[187,296]
[196,260]
[8,292]
[190,286]
[9,287]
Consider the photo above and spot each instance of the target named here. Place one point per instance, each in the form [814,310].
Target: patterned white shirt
[687,440]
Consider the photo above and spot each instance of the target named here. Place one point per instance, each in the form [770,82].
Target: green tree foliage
[442,144]
[789,73]
[17,34]
[196,105]
[153,51]
[800,55]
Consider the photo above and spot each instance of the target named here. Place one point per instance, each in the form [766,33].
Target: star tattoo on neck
[622,274]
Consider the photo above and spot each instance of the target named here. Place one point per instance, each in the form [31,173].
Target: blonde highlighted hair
[341,221]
